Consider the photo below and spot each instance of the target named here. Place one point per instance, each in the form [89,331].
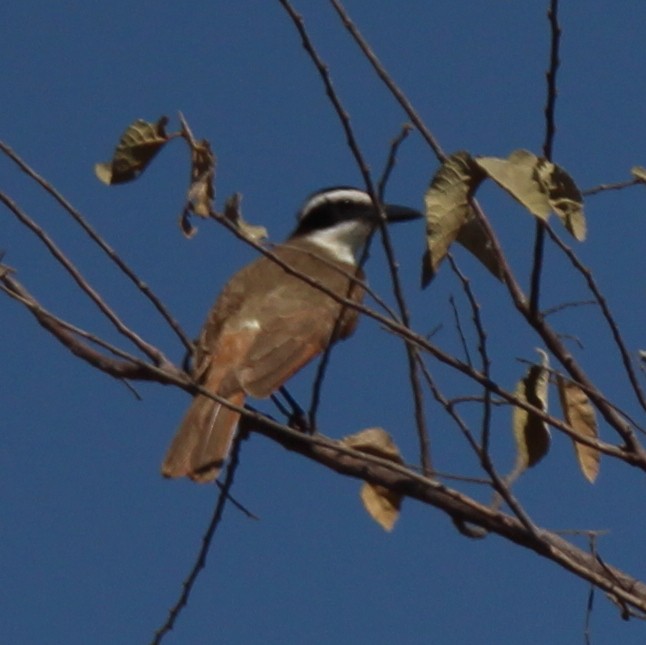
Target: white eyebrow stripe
[339,195]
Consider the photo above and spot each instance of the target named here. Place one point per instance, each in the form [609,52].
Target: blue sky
[94,544]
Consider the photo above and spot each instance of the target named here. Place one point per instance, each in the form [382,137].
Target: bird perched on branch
[268,322]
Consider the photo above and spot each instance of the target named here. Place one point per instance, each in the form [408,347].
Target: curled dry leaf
[566,200]
[136,149]
[201,192]
[233,213]
[448,209]
[530,431]
[540,186]
[580,416]
[381,503]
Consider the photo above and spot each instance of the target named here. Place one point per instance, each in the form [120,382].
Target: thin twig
[616,186]
[567,305]
[324,73]
[241,507]
[388,81]
[485,366]
[391,161]
[200,562]
[590,604]
[548,145]
[607,314]
[458,326]
[552,91]
[324,361]
[412,352]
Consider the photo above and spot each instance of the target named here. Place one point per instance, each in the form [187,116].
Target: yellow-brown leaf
[381,503]
[530,431]
[540,186]
[448,208]
[581,417]
[138,146]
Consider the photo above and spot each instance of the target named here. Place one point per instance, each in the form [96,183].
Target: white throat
[343,241]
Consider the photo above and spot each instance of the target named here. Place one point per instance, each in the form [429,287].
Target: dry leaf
[530,431]
[474,238]
[448,208]
[566,201]
[374,441]
[639,173]
[518,176]
[580,416]
[540,186]
[201,192]
[136,149]
[233,213]
[382,504]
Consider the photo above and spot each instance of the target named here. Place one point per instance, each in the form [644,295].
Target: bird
[268,323]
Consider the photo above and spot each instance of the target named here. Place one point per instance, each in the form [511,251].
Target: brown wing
[284,345]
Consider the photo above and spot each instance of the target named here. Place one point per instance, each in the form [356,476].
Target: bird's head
[342,218]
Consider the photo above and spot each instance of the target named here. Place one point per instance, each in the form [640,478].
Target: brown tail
[203,440]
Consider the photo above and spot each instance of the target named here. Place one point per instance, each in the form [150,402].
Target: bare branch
[200,562]
[149,350]
[101,243]
[68,335]
[388,81]
[548,144]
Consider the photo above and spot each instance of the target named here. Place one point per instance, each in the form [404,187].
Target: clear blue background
[93,543]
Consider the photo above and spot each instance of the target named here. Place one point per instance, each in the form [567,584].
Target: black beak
[396,213]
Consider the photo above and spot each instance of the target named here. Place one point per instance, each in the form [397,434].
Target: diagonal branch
[101,243]
[388,81]
[152,352]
